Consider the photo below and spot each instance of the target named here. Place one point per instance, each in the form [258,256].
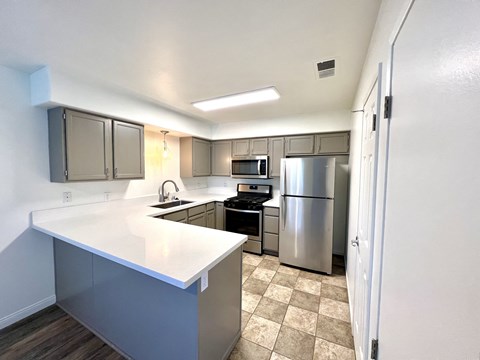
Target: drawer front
[196,210]
[253,246]
[270,224]
[270,242]
[210,206]
[198,220]
[271,211]
[176,216]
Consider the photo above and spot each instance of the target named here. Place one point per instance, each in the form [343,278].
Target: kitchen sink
[170,204]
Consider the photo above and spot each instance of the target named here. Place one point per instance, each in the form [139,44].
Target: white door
[364,243]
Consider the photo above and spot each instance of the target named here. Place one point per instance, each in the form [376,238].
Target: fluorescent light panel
[250,97]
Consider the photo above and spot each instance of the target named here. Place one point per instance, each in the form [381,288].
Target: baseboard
[27,311]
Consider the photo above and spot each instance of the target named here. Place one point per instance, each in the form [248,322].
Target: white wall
[299,124]
[52,88]
[429,294]
[26,257]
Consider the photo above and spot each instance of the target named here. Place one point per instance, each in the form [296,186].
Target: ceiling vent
[326,69]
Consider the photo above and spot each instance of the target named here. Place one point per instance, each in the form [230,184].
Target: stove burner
[250,198]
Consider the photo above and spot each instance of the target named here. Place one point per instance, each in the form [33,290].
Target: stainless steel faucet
[161,190]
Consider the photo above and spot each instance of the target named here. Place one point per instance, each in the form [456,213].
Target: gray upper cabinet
[128,151]
[221,158]
[241,147]
[334,143]
[194,157]
[276,152]
[247,147]
[299,145]
[80,146]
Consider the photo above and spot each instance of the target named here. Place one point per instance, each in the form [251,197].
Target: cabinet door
[276,152]
[332,143]
[88,146]
[241,147]
[259,146]
[270,224]
[198,220]
[219,215]
[201,157]
[221,158]
[211,219]
[128,153]
[299,145]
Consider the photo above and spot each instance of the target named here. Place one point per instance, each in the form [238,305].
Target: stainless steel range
[244,214]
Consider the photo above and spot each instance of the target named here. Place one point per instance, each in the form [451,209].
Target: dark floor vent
[326,69]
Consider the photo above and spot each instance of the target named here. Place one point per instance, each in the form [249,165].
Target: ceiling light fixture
[249,97]
[165,147]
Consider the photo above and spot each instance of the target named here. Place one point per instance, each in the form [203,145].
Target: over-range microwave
[250,167]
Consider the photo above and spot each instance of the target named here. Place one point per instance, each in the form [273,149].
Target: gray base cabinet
[81,147]
[270,230]
[202,215]
[211,215]
[145,318]
[219,216]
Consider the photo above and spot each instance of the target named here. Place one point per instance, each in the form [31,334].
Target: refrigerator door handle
[284,179]
[284,212]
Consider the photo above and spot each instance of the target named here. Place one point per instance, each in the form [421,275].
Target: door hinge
[374,122]
[387,107]
[66,173]
[64,116]
[374,353]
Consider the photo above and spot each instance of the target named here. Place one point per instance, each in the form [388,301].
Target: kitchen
[26,257]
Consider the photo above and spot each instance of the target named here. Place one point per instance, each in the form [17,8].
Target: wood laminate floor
[52,334]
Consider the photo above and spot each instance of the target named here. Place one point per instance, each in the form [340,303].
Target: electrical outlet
[106,196]
[225,184]
[67,196]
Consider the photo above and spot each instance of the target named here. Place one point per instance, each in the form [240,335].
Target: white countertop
[126,232]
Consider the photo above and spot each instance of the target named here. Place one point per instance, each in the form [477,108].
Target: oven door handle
[243,211]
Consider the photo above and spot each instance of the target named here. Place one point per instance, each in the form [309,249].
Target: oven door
[247,222]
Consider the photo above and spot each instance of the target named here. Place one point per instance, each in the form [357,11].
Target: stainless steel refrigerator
[306,212]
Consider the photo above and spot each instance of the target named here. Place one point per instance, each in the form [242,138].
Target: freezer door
[306,233]
[310,177]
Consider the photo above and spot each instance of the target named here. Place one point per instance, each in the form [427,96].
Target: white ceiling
[177,52]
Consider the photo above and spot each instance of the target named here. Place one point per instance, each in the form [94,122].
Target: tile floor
[289,313]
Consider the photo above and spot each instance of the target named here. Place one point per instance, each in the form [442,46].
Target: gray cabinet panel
[88,142]
[198,220]
[194,157]
[270,230]
[259,146]
[219,215]
[335,143]
[299,145]
[247,147]
[180,216]
[276,152]
[81,148]
[221,158]
[270,224]
[128,151]
[211,219]
[241,147]
[196,210]
[270,242]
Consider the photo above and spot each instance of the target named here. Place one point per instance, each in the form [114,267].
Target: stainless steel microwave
[251,167]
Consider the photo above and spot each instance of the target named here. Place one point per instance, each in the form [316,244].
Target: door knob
[355,242]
